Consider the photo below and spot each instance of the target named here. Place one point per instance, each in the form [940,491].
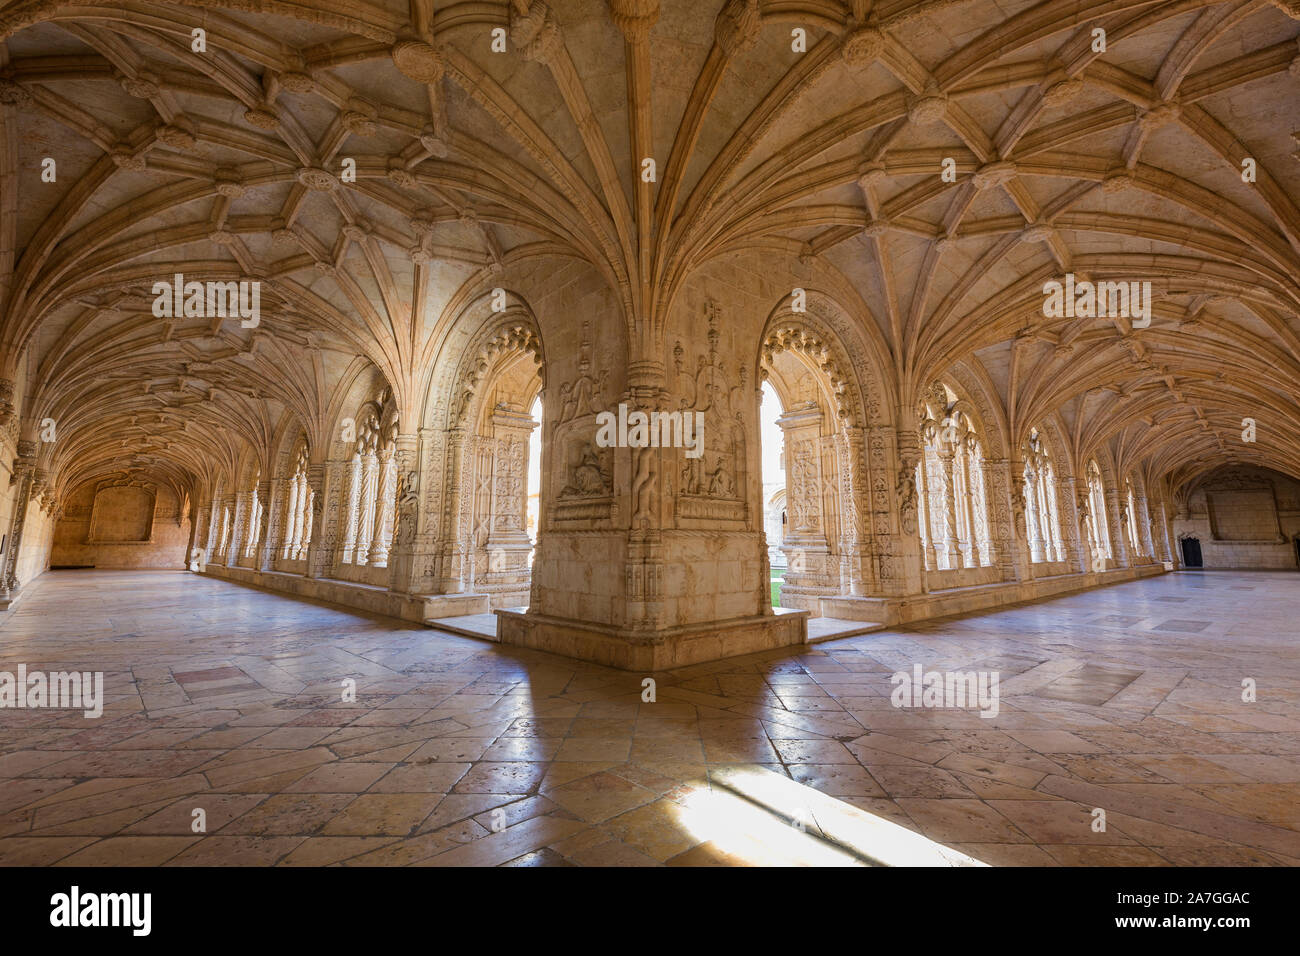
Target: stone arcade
[468,256]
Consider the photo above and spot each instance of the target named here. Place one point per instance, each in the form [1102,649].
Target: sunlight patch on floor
[765,819]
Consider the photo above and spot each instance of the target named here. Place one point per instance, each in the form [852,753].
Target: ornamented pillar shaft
[1144,526]
[324,521]
[946,462]
[1033,515]
[971,552]
[906,570]
[350,508]
[238,528]
[1007,517]
[386,489]
[268,494]
[451,572]
[401,558]
[7,387]
[24,472]
[1075,546]
[1118,531]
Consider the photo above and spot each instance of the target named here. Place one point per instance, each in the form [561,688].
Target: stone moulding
[658,650]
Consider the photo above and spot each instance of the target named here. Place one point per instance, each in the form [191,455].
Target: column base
[654,651]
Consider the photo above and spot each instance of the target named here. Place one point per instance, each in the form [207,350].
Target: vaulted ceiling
[229,163]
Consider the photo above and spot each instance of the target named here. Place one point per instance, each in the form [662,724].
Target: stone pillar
[199,520]
[1054,543]
[350,509]
[1033,515]
[25,474]
[1118,530]
[1144,526]
[268,496]
[324,479]
[951,536]
[971,552]
[238,528]
[453,572]
[368,517]
[1007,505]
[7,408]
[906,565]
[857,577]
[401,558]
[1074,537]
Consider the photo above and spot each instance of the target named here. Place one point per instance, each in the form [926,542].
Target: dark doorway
[1191,552]
[1296,541]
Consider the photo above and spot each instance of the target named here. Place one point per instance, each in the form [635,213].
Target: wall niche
[122,513]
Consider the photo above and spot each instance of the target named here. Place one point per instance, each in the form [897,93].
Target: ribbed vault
[234,163]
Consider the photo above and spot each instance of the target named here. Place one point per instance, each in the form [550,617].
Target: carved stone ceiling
[1125,164]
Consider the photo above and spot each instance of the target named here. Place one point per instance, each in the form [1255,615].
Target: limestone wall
[117,518]
[1243,518]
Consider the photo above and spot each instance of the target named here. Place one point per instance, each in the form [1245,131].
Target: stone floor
[458,751]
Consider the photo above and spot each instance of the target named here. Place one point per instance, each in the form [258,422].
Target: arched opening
[1097,528]
[953,522]
[504,471]
[369,500]
[1039,478]
[809,451]
[534,508]
[774,495]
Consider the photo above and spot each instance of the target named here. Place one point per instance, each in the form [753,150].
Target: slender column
[1052,531]
[350,505]
[950,544]
[386,490]
[930,554]
[1032,514]
[972,551]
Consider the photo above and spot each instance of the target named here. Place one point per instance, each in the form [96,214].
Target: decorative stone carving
[296,82]
[863,46]
[262,117]
[434,142]
[359,117]
[126,158]
[737,27]
[228,183]
[1153,119]
[142,86]
[317,180]
[588,477]
[1062,92]
[178,134]
[994,174]
[927,109]
[418,60]
[585,394]
[14,94]
[634,18]
[536,34]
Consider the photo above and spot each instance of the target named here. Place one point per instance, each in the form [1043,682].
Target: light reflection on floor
[756,817]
